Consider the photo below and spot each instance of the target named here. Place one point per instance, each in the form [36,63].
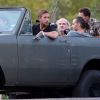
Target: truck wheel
[88,85]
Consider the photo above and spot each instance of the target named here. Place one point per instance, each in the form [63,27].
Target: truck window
[27,24]
[9,20]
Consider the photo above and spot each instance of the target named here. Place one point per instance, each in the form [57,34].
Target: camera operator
[63,26]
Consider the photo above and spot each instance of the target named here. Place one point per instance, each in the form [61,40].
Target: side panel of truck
[44,61]
[9,58]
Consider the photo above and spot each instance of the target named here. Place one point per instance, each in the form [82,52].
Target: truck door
[43,61]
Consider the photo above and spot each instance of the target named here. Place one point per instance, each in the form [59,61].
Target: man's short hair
[85,11]
[41,12]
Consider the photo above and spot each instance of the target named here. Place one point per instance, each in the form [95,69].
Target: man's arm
[52,34]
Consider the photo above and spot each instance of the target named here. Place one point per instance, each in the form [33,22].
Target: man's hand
[39,35]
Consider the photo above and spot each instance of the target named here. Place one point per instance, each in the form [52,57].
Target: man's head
[79,24]
[85,14]
[62,24]
[43,17]
[75,25]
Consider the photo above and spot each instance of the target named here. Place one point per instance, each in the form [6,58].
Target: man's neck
[42,27]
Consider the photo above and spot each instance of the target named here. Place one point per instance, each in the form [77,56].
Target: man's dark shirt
[36,28]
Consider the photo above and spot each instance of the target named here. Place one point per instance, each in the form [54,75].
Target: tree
[58,8]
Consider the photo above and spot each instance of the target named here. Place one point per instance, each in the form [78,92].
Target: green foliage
[62,8]
[33,5]
[71,7]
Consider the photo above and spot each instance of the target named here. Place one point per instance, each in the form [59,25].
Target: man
[79,26]
[43,27]
[63,26]
[86,14]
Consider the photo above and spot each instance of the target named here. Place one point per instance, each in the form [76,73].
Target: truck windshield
[9,19]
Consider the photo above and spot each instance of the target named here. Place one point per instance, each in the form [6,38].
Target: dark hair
[83,23]
[85,11]
[37,21]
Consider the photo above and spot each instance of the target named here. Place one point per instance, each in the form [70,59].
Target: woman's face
[62,25]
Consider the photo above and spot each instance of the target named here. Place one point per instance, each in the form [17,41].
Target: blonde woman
[63,26]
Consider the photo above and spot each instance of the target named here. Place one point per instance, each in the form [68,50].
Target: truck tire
[88,85]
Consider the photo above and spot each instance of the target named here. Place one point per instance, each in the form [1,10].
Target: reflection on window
[8,20]
[27,26]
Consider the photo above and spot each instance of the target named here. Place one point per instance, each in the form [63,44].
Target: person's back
[78,34]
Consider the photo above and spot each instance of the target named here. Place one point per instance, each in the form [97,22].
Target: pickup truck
[61,62]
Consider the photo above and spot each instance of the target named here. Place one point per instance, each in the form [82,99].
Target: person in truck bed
[43,27]
[85,13]
[63,26]
[79,27]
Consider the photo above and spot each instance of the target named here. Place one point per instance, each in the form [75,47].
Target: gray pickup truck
[65,61]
